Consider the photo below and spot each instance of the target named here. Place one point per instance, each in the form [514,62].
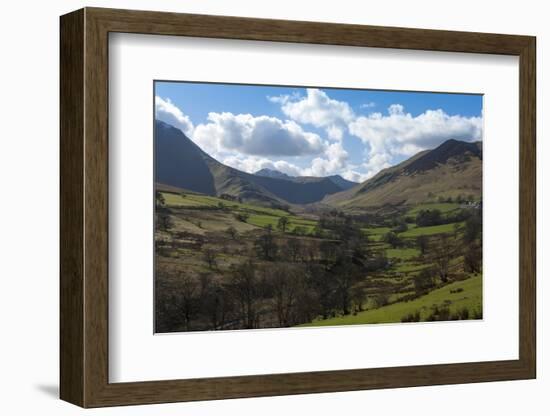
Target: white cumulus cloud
[400,134]
[335,160]
[354,176]
[166,111]
[375,163]
[319,110]
[252,164]
[250,143]
[258,136]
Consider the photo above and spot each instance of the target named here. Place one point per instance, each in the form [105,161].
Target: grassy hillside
[441,182]
[252,214]
[208,240]
[449,171]
[452,170]
[457,297]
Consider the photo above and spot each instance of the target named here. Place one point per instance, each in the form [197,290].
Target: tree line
[283,282]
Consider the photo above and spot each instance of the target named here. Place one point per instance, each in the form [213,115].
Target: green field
[376,233]
[257,215]
[191,200]
[402,253]
[431,230]
[383,292]
[263,220]
[409,268]
[444,207]
[469,297]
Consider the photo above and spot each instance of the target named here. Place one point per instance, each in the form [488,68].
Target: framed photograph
[257,207]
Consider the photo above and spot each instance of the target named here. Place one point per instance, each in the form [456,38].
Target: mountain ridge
[336,179]
[450,169]
[181,163]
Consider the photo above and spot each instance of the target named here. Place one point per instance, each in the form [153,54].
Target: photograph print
[281,207]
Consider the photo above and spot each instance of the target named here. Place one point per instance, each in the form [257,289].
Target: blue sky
[315,131]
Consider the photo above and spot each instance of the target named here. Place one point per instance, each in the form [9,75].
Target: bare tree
[322,285]
[473,227]
[358,296]
[216,303]
[472,259]
[232,232]
[210,258]
[422,242]
[329,251]
[266,246]
[164,222]
[245,287]
[284,284]
[345,276]
[282,224]
[186,300]
[293,248]
[442,251]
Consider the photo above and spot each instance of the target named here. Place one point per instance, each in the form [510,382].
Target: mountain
[271,173]
[342,183]
[181,163]
[451,169]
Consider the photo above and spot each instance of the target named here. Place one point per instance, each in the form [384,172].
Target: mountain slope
[340,182]
[181,163]
[271,173]
[451,169]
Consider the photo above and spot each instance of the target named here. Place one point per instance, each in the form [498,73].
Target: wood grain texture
[84,207]
[527,208]
[71,208]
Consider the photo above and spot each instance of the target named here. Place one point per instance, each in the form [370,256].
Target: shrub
[477,314]
[411,317]
[393,239]
[422,242]
[473,259]
[429,217]
[463,314]
[400,228]
[424,281]
[232,232]
[379,262]
[241,216]
[381,299]
[439,313]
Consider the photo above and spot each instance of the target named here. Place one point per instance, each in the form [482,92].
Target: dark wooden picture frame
[84,207]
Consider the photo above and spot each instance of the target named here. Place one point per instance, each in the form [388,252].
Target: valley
[226,265]
[235,250]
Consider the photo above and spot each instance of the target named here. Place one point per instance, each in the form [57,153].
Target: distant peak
[451,149]
[344,184]
[272,173]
